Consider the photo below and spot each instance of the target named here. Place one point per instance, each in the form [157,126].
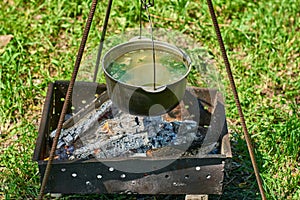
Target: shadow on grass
[239,181]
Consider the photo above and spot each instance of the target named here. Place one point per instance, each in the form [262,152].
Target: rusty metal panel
[41,146]
[183,176]
[207,180]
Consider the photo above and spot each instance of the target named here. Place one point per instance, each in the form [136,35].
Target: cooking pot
[136,98]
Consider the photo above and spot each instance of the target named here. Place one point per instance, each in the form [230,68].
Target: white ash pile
[107,132]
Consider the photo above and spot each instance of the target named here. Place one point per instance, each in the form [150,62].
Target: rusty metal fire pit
[190,174]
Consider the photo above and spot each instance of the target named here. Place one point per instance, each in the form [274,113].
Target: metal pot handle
[157,89]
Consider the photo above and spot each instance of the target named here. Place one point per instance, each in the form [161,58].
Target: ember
[108,132]
[65,152]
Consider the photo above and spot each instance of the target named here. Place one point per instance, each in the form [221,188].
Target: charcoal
[68,116]
[68,139]
[122,122]
[83,125]
[64,152]
[60,144]
[151,124]
[187,126]
[71,149]
[114,146]
[108,132]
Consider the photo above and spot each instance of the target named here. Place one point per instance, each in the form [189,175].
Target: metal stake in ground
[68,96]
[236,98]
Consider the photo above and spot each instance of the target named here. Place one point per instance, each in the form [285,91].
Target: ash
[108,132]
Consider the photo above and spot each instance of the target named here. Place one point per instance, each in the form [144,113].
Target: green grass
[262,41]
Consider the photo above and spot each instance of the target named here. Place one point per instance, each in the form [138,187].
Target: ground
[40,39]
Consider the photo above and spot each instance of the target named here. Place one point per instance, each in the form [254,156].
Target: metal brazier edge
[186,175]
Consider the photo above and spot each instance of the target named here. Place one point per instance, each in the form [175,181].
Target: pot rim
[146,41]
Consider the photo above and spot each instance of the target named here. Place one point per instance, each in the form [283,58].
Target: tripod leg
[102,39]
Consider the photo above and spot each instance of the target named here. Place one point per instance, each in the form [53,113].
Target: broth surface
[136,68]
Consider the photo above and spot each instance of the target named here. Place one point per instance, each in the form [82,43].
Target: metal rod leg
[236,98]
[68,97]
[102,40]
